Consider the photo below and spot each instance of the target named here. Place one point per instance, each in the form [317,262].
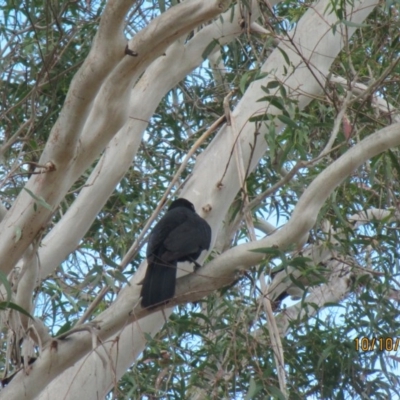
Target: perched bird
[180,235]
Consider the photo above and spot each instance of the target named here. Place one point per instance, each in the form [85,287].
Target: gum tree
[279,121]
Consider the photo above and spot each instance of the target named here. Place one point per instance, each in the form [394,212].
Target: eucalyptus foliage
[220,346]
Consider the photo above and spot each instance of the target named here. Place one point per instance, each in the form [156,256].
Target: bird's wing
[167,224]
[188,238]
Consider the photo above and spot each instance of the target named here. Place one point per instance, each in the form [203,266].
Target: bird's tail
[159,283]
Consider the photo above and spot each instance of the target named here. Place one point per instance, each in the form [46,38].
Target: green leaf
[300,261]
[201,316]
[274,100]
[273,84]
[6,284]
[8,304]
[161,5]
[270,137]
[288,121]
[119,276]
[109,281]
[110,262]
[394,161]
[40,200]
[65,328]
[282,91]
[261,75]
[297,282]
[18,234]
[243,81]
[272,251]
[354,24]
[258,118]
[209,49]
[284,55]
[276,393]
[254,389]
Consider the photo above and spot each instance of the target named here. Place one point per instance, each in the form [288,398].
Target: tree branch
[158,79]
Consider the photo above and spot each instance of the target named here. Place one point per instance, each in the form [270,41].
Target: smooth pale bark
[165,73]
[219,198]
[110,100]
[213,275]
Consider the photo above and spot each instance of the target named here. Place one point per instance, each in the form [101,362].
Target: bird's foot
[196,265]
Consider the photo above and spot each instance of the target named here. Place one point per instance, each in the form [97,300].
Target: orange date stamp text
[377,343]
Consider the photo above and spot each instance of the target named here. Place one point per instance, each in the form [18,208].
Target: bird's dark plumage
[180,235]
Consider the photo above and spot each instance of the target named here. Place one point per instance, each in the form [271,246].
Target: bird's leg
[196,264]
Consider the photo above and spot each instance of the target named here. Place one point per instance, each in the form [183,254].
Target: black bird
[180,235]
